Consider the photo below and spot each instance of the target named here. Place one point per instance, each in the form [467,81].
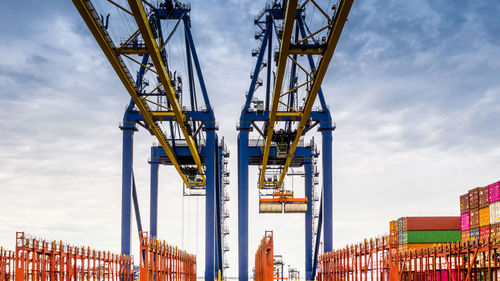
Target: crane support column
[327,154]
[128,129]
[243,203]
[308,219]
[210,205]
[153,205]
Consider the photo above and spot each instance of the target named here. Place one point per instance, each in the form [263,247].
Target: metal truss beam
[154,51]
[91,18]
[318,75]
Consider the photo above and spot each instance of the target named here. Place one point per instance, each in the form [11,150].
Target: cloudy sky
[414,88]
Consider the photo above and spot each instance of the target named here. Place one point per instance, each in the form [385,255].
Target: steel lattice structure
[185,130]
[301,63]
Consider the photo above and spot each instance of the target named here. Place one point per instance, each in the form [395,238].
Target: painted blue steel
[219,265]
[175,13]
[269,62]
[257,67]
[318,237]
[210,205]
[136,207]
[197,67]
[327,187]
[243,204]
[128,129]
[153,205]
[308,222]
[311,62]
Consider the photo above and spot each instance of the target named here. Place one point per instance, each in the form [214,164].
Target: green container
[431,236]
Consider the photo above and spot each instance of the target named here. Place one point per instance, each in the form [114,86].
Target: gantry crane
[286,114]
[185,130]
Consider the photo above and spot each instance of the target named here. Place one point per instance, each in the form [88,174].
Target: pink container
[464,222]
[494,192]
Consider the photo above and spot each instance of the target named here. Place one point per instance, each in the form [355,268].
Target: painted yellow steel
[154,52]
[333,38]
[91,18]
[291,10]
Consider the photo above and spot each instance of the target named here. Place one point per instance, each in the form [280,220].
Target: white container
[495,212]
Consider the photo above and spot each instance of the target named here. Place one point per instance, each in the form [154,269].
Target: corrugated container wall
[495,212]
[474,218]
[431,223]
[474,198]
[494,192]
[465,236]
[484,216]
[464,222]
[431,236]
[495,231]
[474,233]
[484,232]
[483,197]
[464,203]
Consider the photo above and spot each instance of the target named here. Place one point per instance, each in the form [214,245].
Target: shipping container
[430,223]
[474,218]
[494,192]
[483,197]
[465,236]
[465,222]
[474,234]
[474,198]
[484,217]
[495,212]
[464,203]
[431,236]
[409,247]
[393,226]
[400,225]
[484,232]
[495,231]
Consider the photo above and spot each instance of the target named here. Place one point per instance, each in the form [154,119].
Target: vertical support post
[153,205]
[210,205]
[128,129]
[308,220]
[243,204]
[327,153]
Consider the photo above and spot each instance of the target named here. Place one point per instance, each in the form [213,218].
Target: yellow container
[484,217]
[393,226]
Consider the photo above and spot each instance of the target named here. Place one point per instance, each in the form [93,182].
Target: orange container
[484,217]
[465,236]
[409,247]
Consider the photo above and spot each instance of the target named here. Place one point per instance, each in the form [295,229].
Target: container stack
[480,213]
[421,232]
[394,232]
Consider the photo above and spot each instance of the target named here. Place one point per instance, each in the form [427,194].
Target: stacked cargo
[480,213]
[421,232]
[494,207]
[393,232]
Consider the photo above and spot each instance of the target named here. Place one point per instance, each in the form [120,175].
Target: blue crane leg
[210,206]
[243,204]
[153,205]
[127,159]
[327,189]
[308,220]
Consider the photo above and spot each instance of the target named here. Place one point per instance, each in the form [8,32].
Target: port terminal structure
[292,77]
[180,117]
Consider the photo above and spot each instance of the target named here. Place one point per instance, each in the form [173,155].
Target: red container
[464,222]
[464,203]
[483,197]
[474,198]
[495,231]
[484,232]
[494,192]
[431,223]
[474,218]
